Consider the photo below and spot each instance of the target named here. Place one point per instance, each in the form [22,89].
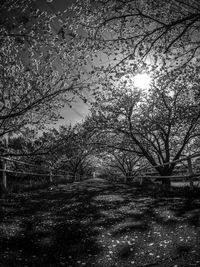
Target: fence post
[50,176]
[141,178]
[191,173]
[4,178]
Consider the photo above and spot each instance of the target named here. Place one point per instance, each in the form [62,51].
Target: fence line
[28,173]
[171,162]
[140,175]
[49,171]
[190,171]
[21,162]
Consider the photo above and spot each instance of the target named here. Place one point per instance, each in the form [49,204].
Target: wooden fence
[192,172]
[44,171]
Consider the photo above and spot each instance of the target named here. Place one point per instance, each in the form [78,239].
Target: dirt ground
[97,223]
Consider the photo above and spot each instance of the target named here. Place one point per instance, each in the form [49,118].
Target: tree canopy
[136,28]
[39,71]
[42,68]
[162,123]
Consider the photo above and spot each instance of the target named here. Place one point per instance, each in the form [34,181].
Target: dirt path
[95,223]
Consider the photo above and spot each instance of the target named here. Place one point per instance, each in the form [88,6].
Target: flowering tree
[162,123]
[120,162]
[136,28]
[39,68]
[65,149]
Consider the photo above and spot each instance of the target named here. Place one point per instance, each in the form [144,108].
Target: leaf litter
[116,231]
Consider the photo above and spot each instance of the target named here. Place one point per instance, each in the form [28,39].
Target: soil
[98,223]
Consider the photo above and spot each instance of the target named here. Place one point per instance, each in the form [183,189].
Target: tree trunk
[3,180]
[165,171]
[166,182]
[191,173]
[128,177]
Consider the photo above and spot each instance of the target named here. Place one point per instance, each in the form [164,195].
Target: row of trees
[155,37]
[162,124]
[37,74]
[41,68]
[128,128]
[79,151]
[63,151]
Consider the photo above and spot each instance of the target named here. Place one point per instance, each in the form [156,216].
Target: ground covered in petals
[97,223]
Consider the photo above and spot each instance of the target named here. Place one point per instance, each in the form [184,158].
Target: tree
[77,154]
[121,163]
[39,70]
[127,29]
[116,151]
[162,123]
[65,149]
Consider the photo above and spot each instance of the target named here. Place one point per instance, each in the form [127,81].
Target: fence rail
[21,162]
[48,171]
[190,170]
[185,158]
[142,173]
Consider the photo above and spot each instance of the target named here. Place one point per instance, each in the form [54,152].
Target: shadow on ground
[97,223]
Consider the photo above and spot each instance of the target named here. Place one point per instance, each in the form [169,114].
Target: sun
[142,81]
